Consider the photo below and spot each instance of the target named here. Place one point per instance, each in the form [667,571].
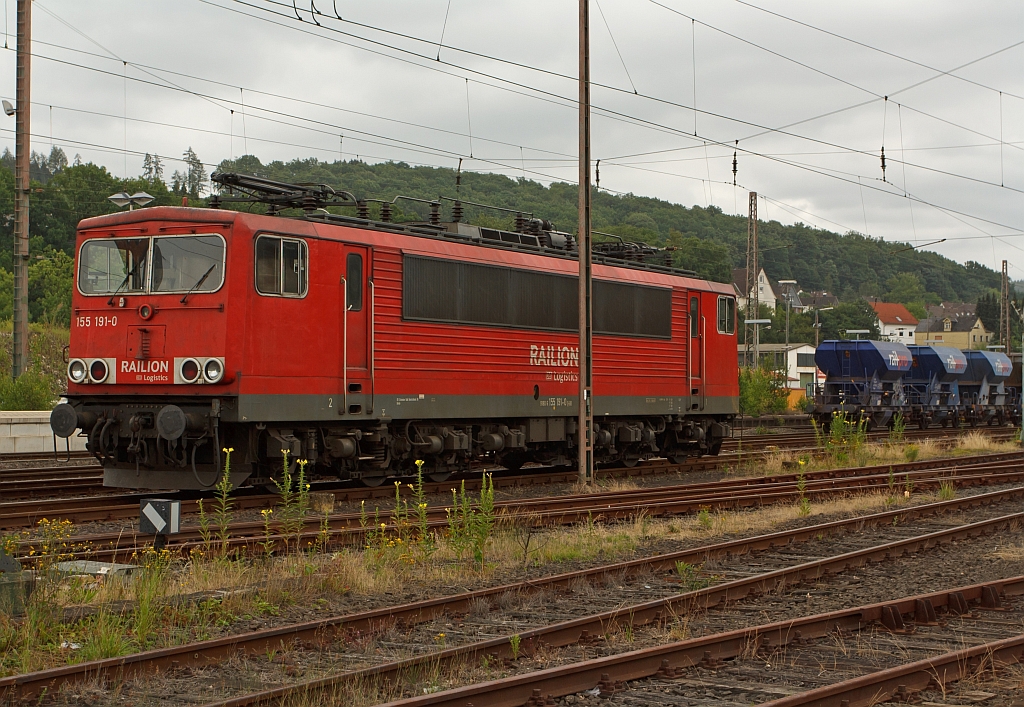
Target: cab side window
[281,266]
[694,317]
[354,282]
[726,315]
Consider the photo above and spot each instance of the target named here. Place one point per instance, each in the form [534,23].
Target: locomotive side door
[355,305]
[696,352]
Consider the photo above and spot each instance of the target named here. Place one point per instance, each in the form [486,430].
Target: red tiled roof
[894,313]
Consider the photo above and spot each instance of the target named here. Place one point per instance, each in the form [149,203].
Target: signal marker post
[159,517]
[585,434]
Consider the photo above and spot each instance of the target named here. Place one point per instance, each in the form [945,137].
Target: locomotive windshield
[187,263]
[107,266]
[163,264]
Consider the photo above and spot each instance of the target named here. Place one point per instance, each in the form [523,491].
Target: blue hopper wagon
[985,397]
[873,381]
[932,385]
[863,380]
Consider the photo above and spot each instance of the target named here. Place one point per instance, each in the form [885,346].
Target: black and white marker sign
[159,516]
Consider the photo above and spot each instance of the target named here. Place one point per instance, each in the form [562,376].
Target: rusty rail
[904,682]
[666,661]
[207,652]
[567,510]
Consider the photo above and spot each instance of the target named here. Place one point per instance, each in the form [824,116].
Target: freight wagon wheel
[678,458]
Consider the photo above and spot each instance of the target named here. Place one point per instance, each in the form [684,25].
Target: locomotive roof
[225,217]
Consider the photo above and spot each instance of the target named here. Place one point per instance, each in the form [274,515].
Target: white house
[895,322]
[796,359]
[767,290]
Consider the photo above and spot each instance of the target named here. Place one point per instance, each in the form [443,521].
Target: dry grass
[977,441]
[879,453]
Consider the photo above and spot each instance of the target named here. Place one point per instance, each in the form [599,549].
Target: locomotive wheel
[630,460]
[513,462]
[373,481]
[439,476]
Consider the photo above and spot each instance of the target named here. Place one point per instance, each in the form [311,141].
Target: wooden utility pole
[585,434]
[22,149]
[1004,315]
[750,330]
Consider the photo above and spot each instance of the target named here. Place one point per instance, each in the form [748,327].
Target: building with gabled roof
[967,332]
[895,322]
[767,289]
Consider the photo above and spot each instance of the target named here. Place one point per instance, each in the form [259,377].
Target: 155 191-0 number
[98,321]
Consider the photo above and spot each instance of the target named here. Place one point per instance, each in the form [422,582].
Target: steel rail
[26,485]
[206,652]
[671,501]
[666,661]
[904,682]
[516,691]
[20,514]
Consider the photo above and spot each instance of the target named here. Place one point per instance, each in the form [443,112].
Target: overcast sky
[252,78]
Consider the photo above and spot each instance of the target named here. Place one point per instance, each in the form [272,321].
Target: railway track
[759,567]
[349,528]
[115,506]
[31,482]
[687,671]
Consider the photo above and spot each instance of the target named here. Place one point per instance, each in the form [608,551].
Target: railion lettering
[554,356]
[136,366]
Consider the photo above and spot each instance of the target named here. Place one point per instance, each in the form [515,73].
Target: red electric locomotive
[365,346]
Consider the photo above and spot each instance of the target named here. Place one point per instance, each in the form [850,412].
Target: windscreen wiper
[123,283]
[199,283]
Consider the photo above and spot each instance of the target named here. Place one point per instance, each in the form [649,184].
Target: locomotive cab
[148,363]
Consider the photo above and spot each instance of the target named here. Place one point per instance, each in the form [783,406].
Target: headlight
[190,370]
[77,370]
[98,371]
[213,371]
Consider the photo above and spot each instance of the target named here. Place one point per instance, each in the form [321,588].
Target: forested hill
[709,241]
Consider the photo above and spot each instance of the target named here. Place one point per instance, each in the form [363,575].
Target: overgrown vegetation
[46,380]
[762,391]
[163,604]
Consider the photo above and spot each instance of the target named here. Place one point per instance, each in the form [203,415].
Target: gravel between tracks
[989,557]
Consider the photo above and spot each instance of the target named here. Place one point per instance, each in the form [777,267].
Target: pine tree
[195,177]
[152,168]
[57,161]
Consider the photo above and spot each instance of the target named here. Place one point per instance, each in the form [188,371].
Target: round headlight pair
[79,371]
[212,371]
